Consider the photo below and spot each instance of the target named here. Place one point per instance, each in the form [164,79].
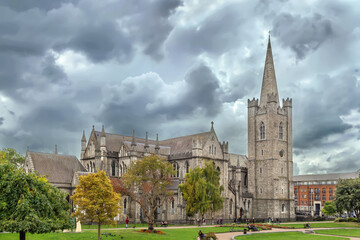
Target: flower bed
[155,231]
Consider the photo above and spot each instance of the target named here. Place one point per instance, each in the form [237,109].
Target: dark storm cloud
[302,34]
[216,34]
[318,108]
[103,42]
[52,71]
[20,5]
[147,100]
[1,120]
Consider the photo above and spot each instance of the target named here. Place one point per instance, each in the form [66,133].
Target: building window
[324,197]
[317,197]
[176,168]
[262,130]
[260,170]
[283,208]
[330,190]
[282,191]
[324,190]
[281,131]
[245,179]
[125,206]
[186,166]
[304,189]
[260,190]
[209,149]
[113,170]
[218,169]
[120,171]
[331,197]
[305,196]
[262,152]
[172,207]
[317,190]
[231,206]
[248,205]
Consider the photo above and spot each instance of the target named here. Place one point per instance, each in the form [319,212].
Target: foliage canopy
[348,195]
[146,182]
[95,200]
[28,203]
[202,190]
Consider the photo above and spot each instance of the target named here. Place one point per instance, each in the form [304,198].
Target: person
[217,221]
[253,228]
[198,221]
[165,223]
[203,221]
[127,222]
[253,220]
[234,220]
[307,225]
[247,221]
[269,219]
[201,235]
[220,221]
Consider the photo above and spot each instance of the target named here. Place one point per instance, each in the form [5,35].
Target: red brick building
[312,191]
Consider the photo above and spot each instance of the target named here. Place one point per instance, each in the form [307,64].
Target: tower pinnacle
[269,86]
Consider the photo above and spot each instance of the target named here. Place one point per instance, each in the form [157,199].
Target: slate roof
[325,177]
[169,146]
[59,168]
[184,144]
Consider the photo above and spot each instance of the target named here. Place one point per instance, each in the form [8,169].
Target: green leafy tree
[28,203]
[146,182]
[202,190]
[329,208]
[348,195]
[9,155]
[95,200]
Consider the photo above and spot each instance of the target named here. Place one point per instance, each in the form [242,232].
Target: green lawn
[287,236]
[323,225]
[121,225]
[127,234]
[341,232]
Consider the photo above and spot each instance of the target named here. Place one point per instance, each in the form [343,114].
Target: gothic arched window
[281,131]
[113,168]
[176,168]
[93,167]
[283,208]
[125,205]
[186,167]
[231,206]
[245,179]
[120,171]
[262,130]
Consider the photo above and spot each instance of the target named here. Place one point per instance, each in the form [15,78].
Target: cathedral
[258,185]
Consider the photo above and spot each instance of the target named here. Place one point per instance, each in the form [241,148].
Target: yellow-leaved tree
[95,200]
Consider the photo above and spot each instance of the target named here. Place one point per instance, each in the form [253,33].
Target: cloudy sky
[171,67]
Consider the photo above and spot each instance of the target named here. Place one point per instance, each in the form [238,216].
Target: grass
[127,234]
[287,236]
[121,225]
[324,225]
[341,232]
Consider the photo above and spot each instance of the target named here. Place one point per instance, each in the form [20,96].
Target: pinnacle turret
[133,142]
[146,146]
[157,147]
[269,86]
[83,139]
[103,132]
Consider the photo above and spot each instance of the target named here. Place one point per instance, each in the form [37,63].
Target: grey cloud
[302,34]
[103,42]
[2,120]
[52,71]
[19,5]
[317,115]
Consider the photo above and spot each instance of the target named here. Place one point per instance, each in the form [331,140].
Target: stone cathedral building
[259,185]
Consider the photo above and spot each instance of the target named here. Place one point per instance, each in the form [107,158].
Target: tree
[329,208]
[95,200]
[202,191]
[146,182]
[28,203]
[348,195]
[9,155]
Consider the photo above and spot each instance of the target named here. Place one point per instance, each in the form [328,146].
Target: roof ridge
[183,136]
[54,154]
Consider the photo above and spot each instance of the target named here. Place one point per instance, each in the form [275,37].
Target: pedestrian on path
[127,222]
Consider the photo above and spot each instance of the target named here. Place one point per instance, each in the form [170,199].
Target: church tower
[270,149]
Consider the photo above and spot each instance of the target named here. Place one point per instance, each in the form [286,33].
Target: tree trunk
[99,228]
[22,235]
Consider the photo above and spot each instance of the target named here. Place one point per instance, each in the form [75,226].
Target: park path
[231,235]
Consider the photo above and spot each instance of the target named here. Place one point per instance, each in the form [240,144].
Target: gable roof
[325,177]
[184,144]
[59,168]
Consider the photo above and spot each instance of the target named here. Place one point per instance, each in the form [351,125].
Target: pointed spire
[103,132]
[146,141]
[157,147]
[93,128]
[269,86]
[212,126]
[56,151]
[83,139]
[133,143]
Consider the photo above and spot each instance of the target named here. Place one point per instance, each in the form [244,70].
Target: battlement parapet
[282,111]
[287,102]
[262,110]
[253,103]
[272,97]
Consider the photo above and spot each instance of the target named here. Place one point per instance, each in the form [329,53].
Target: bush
[351,219]
[210,236]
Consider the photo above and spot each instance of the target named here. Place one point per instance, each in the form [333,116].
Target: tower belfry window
[262,130]
[281,131]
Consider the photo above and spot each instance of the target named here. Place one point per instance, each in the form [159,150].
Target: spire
[157,147]
[212,126]
[55,152]
[83,139]
[269,86]
[146,141]
[133,143]
[103,132]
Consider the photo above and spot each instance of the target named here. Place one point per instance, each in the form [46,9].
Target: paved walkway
[231,235]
